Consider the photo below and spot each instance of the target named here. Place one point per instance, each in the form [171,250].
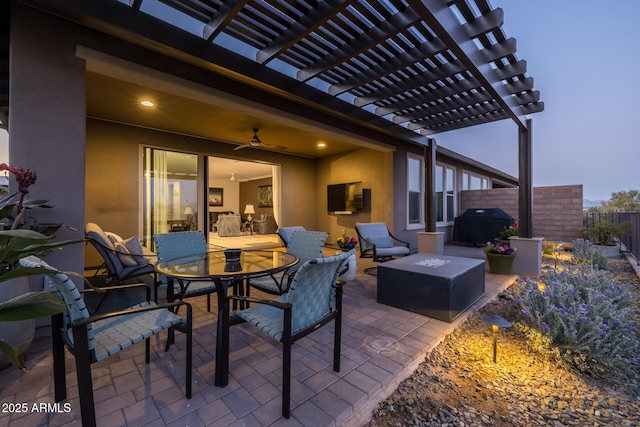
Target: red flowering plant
[498,248]
[21,237]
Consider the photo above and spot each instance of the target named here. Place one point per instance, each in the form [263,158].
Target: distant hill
[586,203]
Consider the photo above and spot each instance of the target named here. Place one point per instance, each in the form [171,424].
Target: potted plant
[499,256]
[347,243]
[504,235]
[22,236]
[605,233]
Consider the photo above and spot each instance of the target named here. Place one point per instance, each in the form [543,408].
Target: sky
[584,58]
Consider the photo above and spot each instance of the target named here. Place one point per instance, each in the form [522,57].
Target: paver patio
[382,345]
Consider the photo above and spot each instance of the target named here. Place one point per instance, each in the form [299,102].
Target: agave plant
[21,236]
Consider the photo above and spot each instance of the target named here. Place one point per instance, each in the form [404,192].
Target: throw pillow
[124,255]
[135,249]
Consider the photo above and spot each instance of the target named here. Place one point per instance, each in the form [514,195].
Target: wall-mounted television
[345,197]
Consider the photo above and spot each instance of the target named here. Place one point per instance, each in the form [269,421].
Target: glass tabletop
[214,265]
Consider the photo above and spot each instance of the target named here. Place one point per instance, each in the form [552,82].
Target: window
[169,192]
[471,181]
[445,194]
[415,192]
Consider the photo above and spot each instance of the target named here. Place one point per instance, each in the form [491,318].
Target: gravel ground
[459,385]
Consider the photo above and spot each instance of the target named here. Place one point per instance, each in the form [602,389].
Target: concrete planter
[609,251]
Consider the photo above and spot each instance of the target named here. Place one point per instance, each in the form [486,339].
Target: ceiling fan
[256,142]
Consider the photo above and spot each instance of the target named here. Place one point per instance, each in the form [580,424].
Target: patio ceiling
[404,68]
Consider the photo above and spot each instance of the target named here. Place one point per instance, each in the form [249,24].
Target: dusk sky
[584,58]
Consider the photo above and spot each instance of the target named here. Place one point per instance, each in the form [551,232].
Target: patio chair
[91,339]
[125,261]
[377,242]
[314,299]
[121,264]
[285,233]
[176,245]
[305,245]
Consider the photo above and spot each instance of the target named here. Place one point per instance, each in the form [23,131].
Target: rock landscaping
[459,385]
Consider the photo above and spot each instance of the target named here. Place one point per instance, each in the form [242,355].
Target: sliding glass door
[169,193]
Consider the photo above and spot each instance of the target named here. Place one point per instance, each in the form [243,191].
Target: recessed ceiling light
[321,144]
[147,103]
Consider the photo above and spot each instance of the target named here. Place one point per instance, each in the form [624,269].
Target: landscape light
[496,322]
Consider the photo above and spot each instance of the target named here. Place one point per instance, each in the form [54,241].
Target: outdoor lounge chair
[91,339]
[313,300]
[305,245]
[377,242]
[176,245]
[121,265]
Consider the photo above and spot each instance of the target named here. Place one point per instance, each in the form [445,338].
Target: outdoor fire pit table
[438,286]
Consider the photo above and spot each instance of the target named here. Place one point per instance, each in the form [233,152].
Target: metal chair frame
[292,309]
[81,333]
[305,245]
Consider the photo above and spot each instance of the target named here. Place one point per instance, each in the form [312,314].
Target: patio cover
[404,69]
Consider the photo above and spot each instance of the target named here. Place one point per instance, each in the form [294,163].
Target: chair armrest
[398,240]
[113,288]
[111,314]
[272,303]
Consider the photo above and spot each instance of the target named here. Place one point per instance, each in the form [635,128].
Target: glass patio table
[214,266]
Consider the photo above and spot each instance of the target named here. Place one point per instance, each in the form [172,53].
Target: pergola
[406,69]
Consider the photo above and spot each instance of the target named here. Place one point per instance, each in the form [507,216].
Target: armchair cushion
[380,241]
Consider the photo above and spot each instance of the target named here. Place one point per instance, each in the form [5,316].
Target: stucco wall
[47,125]
[557,211]
[369,166]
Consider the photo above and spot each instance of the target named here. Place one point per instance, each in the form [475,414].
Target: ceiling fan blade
[274,147]
[240,147]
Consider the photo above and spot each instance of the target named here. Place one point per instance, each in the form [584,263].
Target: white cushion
[113,237]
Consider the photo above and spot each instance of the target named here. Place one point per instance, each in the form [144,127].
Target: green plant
[604,232]
[513,230]
[586,316]
[22,236]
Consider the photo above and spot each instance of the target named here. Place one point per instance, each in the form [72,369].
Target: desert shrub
[585,254]
[586,316]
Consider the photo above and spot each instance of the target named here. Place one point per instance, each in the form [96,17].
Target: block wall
[557,211]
